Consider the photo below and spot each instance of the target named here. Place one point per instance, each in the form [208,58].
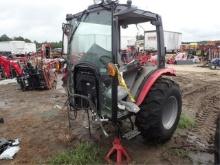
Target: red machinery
[9,68]
[36,70]
[145,58]
[39,73]
[46,50]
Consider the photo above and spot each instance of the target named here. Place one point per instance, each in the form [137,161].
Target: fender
[6,65]
[150,82]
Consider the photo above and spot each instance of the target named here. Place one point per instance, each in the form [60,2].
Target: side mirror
[66,31]
[66,28]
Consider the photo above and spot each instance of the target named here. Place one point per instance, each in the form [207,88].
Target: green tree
[18,38]
[56,44]
[4,37]
[27,40]
[139,37]
[38,45]
[22,39]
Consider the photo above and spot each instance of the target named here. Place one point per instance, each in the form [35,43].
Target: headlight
[97,2]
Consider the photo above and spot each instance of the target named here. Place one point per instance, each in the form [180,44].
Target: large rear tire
[160,112]
[217,141]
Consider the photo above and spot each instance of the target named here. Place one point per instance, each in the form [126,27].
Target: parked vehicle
[172,40]
[17,47]
[214,63]
[112,91]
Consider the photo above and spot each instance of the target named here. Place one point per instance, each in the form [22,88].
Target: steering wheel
[105,59]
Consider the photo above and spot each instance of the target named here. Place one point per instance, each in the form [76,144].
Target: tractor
[214,63]
[38,76]
[9,68]
[113,91]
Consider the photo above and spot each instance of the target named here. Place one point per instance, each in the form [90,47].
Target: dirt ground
[39,121]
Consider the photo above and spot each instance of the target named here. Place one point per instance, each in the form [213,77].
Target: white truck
[172,40]
[17,47]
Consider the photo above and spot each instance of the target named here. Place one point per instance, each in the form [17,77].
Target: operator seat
[129,72]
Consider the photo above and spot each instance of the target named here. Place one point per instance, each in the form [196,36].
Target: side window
[136,39]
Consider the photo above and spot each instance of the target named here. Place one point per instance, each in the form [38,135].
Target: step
[123,114]
[131,134]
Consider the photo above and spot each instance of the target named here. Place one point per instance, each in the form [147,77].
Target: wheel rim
[170,111]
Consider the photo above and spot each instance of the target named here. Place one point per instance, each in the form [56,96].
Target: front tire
[160,112]
[212,66]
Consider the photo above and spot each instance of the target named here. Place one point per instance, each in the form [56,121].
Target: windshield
[91,43]
[92,40]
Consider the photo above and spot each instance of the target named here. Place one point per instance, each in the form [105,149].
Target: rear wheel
[160,112]
[217,141]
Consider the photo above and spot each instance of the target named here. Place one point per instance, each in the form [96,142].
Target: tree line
[4,37]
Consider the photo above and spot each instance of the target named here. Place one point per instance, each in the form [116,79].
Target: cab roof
[126,14]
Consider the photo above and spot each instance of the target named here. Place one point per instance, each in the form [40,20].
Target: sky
[42,20]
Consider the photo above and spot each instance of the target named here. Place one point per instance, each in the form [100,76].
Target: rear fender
[150,82]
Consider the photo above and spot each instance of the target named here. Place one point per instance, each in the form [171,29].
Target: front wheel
[160,112]
[21,83]
[212,66]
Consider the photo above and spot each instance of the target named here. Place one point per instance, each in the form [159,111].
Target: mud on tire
[160,112]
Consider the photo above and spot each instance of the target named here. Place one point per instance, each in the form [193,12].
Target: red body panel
[7,64]
[150,82]
[145,58]
[17,68]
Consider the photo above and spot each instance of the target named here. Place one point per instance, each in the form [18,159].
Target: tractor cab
[98,78]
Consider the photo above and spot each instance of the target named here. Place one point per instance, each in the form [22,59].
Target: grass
[181,153]
[84,153]
[177,155]
[186,122]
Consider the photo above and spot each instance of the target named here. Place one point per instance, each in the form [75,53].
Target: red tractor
[112,91]
[9,68]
